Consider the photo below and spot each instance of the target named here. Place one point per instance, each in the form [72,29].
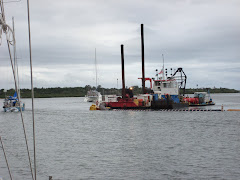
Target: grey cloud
[185,31]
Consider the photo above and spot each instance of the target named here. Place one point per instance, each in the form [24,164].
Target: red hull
[122,104]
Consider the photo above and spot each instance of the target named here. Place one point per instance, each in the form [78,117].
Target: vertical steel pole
[123,75]
[30,54]
[143,68]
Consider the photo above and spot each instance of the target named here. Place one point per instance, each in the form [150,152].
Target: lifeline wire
[6,159]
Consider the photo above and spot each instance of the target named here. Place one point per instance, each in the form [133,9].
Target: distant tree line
[82,91]
[60,92]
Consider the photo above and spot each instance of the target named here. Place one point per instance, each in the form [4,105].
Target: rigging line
[16,88]
[14,76]
[25,135]
[5,156]
[2,10]
[30,55]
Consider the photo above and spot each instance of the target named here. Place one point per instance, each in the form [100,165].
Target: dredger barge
[164,94]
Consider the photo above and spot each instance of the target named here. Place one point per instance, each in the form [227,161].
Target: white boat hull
[14,109]
[93,96]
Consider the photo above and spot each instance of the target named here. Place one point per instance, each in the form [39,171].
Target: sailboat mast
[15,59]
[14,45]
[9,49]
[96,67]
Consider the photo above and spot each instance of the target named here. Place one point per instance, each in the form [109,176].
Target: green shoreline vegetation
[82,91]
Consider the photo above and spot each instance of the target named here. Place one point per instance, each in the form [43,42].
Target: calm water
[75,143]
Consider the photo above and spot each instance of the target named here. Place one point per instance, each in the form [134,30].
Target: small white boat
[93,96]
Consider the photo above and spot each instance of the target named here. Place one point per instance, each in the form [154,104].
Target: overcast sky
[201,36]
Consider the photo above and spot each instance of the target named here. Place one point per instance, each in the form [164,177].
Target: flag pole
[163,67]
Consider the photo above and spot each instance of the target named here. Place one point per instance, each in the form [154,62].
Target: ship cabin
[203,97]
[164,87]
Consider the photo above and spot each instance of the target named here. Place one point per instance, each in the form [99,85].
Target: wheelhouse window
[157,83]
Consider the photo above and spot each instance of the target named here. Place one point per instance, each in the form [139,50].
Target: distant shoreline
[82,91]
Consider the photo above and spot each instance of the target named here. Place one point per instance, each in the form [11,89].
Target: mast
[96,67]
[15,59]
[14,45]
[6,29]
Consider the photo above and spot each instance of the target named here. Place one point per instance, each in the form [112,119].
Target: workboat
[164,94]
[12,104]
[200,99]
